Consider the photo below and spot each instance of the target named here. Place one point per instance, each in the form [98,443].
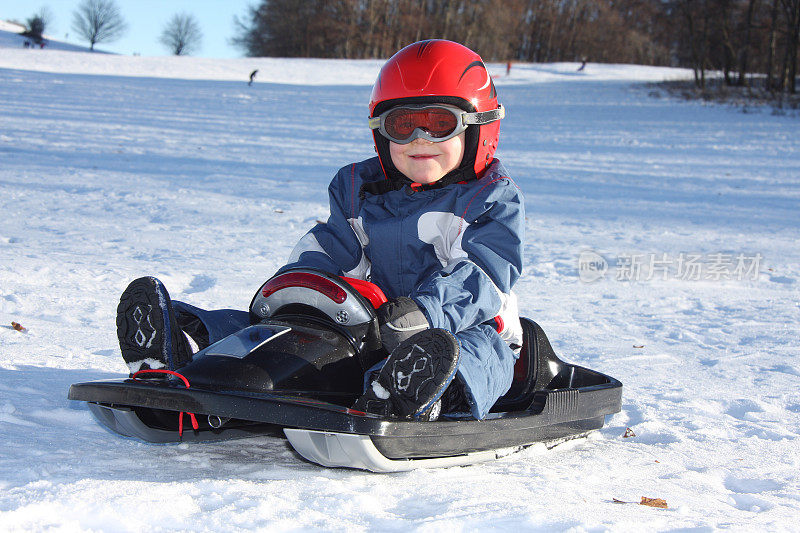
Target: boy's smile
[427,162]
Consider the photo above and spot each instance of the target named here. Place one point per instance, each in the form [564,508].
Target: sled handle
[368,290]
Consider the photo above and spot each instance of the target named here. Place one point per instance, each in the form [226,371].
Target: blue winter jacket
[456,251]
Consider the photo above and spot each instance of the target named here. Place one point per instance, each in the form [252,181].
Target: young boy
[433,221]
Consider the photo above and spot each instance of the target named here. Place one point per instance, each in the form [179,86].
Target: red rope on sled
[195,425]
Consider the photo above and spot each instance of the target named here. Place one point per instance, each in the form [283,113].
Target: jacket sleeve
[480,265]
[334,246]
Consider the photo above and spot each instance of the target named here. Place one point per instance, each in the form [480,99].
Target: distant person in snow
[252,77]
[433,220]
[583,64]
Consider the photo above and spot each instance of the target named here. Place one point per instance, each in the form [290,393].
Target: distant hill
[72,59]
[10,38]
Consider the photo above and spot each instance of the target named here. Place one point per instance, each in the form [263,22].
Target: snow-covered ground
[114,167]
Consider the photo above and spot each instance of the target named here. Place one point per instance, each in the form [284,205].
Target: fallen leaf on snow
[649,502]
[653,502]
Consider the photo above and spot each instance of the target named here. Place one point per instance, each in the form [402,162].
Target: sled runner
[300,365]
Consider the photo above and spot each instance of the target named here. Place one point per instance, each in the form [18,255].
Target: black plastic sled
[300,365]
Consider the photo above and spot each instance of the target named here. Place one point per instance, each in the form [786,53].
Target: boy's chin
[426,176]
[425,180]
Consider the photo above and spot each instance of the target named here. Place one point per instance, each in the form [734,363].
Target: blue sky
[146,20]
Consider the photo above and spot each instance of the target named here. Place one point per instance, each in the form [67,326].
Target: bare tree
[36,25]
[181,34]
[98,21]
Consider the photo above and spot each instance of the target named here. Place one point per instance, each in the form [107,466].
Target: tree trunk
[773,39]
[727,45]
[744,52]
[697,61]
[784,81]
[704,62]
[792,41]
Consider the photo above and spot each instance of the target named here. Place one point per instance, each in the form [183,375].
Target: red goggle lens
[401,123]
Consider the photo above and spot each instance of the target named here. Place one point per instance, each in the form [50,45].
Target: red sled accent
[195,425]
[499,324]
[521,366]
[368,290]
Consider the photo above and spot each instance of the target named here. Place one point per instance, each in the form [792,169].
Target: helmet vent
[472,65]
[423,45]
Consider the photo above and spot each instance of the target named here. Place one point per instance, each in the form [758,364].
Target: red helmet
[439,71]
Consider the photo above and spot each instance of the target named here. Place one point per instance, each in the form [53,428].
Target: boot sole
[144,317]
[419,370]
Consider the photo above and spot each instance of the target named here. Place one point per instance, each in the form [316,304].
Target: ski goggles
[436,122]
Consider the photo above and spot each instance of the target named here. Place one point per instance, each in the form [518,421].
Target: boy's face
[427,162]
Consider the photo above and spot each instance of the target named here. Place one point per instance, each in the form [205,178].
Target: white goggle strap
[484,117]
[467,119]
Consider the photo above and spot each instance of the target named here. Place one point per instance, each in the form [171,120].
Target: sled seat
[535,368]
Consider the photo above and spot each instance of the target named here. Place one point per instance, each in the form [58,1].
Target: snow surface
[115,167]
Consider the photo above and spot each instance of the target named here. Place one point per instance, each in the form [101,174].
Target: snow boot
[149,337]
[414,377]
